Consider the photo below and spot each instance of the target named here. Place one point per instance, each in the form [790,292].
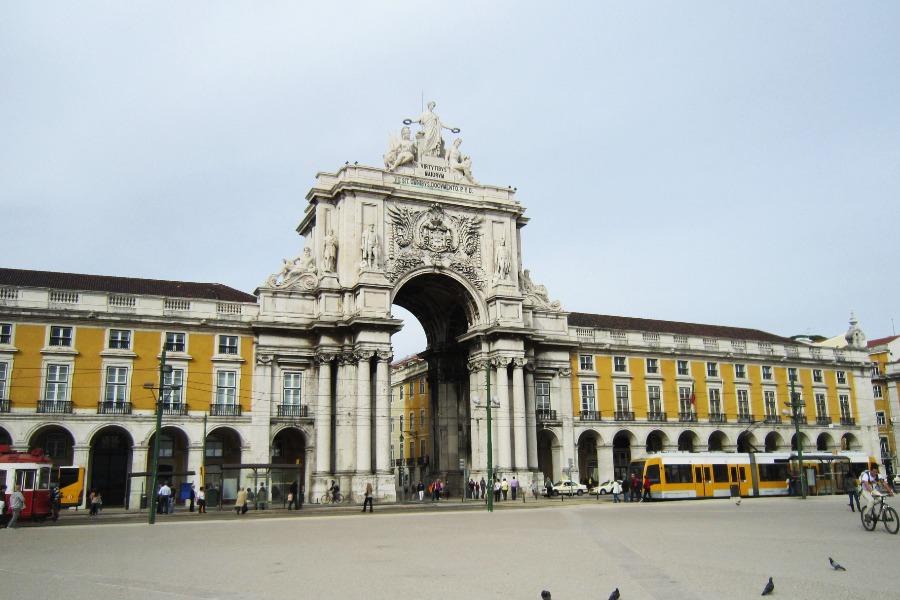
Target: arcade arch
[622,443]
[109,463]
[774,441]
[57,443]
[688,441]
[588,456]
[657,441]
[718,441]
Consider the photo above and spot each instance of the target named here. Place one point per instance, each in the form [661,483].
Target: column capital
[500,361]
[564,372]
[519,362]
[475,365]
[384,355]
[364,355]
[264,359]
[325,357]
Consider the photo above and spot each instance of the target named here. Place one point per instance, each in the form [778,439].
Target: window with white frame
[4,375]
[620,364]
[770,403]
[712,369]
[683,368]
[715,401]
[685,406]
[392,425]
[56,385]
[401,392]
[817,376]
[392,453]
[293,380]
[542,395]
[792,374]
[623,404]
[116,385]
[844,402]
[841,377]
[5,333]
[60,336]
[175,342]
[422,386]
[226,387]
[228,344]
[412,421]
[885,446]
[654,397]
[653,365]
[821,406]
[880,417]
[586,362]
[173,388]
[119,339]
[422,420]
[412,388]
[767,373]
[588,399]
[876,391]
[740,371]
[422,447]
[412,448]
[876,370]
[743,403]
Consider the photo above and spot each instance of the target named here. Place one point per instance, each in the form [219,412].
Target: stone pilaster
[383,413]
[519,415]
[323,415]
[530,417]
[503,440]
[364,414]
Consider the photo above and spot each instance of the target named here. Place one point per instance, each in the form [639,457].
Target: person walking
[635,490]
[534,489]
[165,493]
[548,485]
[616,490]
[292,495]
[370,498]
[96,503]
[421,489]
[16,504]
[482,483]
[5,514]
[262,497]
[472,485]
[514,487]
[497,489]
[201,501]
[192,497]
[240,503]
[504,488]
[850,489]
[647,485]
[626,489]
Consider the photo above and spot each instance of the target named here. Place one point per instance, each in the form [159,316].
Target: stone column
[530,417]
[383,414]
[81,454]
[345,420]
[261,414]
[139,456]
[519,415]
[566,413]
[323,415]
[364,412]
[503,440]
[478,423]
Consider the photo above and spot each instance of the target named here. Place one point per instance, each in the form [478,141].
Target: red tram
[31,471]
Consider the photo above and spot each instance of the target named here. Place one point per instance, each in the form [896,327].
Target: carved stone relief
[434,237]
[538,293]
[298,272]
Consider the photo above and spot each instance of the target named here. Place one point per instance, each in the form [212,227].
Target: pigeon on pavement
[614,595]
[769,588]
[738,503]
[834,565]
[545,595]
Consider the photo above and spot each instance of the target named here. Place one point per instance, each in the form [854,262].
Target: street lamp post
[796,405]
[163,369]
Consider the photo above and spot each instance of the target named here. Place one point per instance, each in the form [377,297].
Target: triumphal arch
[421,232]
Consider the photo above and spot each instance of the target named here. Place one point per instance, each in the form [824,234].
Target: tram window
[776,472]
[26,479]
[678,474]
[720,473]
[44,480]
[653,473]
[2,477]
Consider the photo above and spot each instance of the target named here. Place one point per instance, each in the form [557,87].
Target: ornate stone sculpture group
[299,271]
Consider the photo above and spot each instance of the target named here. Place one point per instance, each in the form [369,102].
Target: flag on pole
[693,396]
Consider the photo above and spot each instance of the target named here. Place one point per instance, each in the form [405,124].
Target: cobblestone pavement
[582,548]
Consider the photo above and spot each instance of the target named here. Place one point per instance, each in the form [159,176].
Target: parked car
[604,488]
[569,488]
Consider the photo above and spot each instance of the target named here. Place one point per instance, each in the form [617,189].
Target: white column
[81,456]
[477,424]
[566,414]
[382,414]
[364,413]
[531,420]
[138,484]
[345,420]
[323,415]
[503,440]
[519,415]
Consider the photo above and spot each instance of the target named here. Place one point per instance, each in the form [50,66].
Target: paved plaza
[577,549]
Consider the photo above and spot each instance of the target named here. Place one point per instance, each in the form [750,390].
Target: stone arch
[5,437]
[289,447]
[747,442]
[109,463]
[804,441]
[588,460]
[774,441]
[825,442]
[657,441]
[717,441]
[56,441]
[549,454]
[850,442]
[623,443]
[688,441]
[173,454]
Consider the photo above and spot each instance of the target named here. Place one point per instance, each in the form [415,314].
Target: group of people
[632,490]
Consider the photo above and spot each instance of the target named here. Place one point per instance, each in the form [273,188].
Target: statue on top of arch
[429,143]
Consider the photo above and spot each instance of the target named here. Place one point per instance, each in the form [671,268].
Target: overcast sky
[713,162]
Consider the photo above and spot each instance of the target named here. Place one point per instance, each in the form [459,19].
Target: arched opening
[110,460]
[446,310]
[548,448]
[687,441]
[656,441]
[804,442]
[622,453]
[824,443]
[288,448]
[717,441]
[849,442]
[57,444]
[587,458]
[747,442]
[223,447]
[173,459]
[5,438]
[774,441]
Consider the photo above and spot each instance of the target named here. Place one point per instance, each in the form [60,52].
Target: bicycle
[329,498]
[885,513]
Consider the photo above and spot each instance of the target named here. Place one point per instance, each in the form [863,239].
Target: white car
[604,488]
[569,488]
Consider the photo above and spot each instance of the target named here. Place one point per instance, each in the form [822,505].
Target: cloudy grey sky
[714,162]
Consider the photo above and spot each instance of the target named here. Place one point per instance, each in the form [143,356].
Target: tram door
[703,481]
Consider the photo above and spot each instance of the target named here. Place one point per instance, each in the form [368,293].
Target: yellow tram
[686,475]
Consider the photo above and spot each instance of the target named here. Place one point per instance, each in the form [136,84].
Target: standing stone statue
[329,252]
[432,143]
[501,258]
[370,248]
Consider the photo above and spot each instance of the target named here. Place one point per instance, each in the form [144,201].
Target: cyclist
[869,489]
[335,489]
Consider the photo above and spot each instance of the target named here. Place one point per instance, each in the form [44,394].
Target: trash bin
[212,498]
[143,501]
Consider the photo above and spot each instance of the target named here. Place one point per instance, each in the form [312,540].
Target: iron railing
[225,410]
[108,407]
[293,410]
[590,415]
[54,406]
